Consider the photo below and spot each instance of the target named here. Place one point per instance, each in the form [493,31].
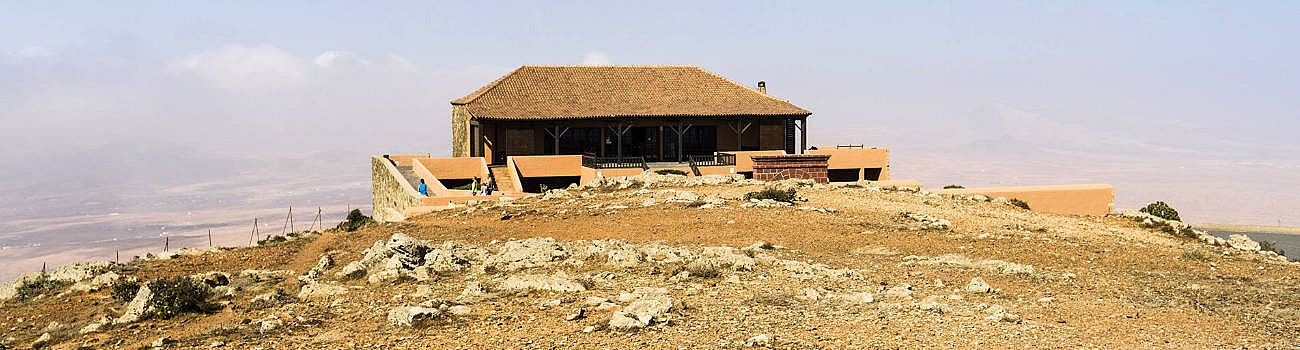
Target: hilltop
[675,262]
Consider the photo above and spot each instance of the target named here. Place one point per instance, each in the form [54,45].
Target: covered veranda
[632,141]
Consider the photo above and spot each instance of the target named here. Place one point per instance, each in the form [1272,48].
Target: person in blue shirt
[424,189]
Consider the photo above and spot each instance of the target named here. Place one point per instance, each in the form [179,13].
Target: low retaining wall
[791,166]
[390,194]
[1092,199]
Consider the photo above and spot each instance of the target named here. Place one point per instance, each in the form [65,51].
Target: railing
[717,159]
[594,162]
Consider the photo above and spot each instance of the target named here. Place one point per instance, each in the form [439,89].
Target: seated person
[424,189]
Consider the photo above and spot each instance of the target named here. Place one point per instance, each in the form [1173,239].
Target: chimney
[762,87]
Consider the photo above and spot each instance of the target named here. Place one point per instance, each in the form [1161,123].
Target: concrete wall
[1092,199]
[546,166]
[856,158]
[406,159]
[390,194]
[744,163]
[455,168]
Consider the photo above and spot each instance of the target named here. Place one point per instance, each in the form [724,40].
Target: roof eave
[670,116]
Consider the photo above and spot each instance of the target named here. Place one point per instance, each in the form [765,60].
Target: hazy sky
[1087,84]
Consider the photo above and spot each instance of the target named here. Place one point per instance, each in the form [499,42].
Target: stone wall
[791,166]
[390,194]
[459,131]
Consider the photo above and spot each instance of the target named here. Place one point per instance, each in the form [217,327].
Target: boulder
[556,194]
[729,257]
[1242,242]
[139,308]
[353,270]
[81,271]
[528,253]
[641,313]
[618,253]
[556,283]
[9,290]
[325,263]
[99,282]
[42,341]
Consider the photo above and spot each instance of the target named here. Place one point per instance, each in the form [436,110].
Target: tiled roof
[580,92]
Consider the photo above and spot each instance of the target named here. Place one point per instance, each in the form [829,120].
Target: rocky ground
[668,262]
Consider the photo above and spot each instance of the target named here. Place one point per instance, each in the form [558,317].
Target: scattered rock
[902,291]
[321,291]
[927,222]
[861,298]
[270,323]
[271,299]
[96,326]
[414,316]
[761,340]
[577,314]
[998,313]
[977,285]
[640,313]
[931,303]
[460,310]
[42,341]
[161,342]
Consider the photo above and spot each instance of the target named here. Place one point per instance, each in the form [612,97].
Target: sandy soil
[1096,282]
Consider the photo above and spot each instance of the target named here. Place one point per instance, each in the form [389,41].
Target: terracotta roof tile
[578,92]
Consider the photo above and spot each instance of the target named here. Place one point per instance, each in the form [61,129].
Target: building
[551,126]
[658,113]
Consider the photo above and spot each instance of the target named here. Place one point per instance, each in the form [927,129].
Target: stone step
[505,180]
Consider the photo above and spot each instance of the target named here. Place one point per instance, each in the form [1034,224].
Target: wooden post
[740,128]
[117,256]
[803,134]
[166,241]
[209,238]
[619,131]
[680,129]
[253,233]
[285,228]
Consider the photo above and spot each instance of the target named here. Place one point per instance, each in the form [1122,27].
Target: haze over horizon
[162,112]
